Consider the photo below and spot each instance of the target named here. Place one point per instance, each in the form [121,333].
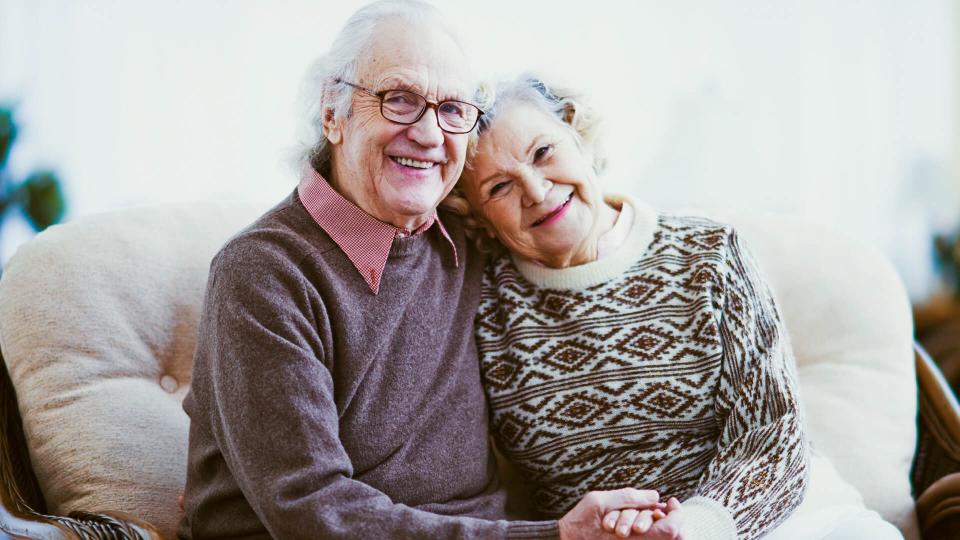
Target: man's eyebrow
[394,82]
[397,83]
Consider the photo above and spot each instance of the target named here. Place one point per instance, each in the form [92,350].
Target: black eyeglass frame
[427,104]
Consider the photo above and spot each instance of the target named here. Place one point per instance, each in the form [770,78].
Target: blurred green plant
[39,196]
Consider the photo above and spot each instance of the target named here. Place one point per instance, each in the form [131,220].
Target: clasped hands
[622,513]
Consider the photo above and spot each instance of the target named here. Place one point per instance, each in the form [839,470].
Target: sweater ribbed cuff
[706,519]
[533,530]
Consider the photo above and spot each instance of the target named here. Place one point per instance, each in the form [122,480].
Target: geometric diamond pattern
[510,428]
[670,376]
[647,342]
[625,473]
[500,372]
[569,355]
[577,410]
[636,291]
[664,398]
[703,276]
[557,304]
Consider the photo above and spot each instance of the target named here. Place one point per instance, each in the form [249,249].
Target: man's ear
[332,126]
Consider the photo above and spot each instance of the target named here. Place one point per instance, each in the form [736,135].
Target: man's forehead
[420,79]
[427,60]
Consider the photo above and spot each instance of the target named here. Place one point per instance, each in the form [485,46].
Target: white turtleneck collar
[619,248]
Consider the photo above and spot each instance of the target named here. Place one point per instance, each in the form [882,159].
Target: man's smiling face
[400,173]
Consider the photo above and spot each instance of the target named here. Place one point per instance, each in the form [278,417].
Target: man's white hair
[320,91]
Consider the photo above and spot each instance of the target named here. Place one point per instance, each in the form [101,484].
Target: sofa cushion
[831,504]
[98,321]
[849,320]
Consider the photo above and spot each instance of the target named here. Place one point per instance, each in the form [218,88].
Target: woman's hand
[585,519]
[624,522]
[664,522]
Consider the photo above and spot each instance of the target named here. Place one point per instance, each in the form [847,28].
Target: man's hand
[584,520]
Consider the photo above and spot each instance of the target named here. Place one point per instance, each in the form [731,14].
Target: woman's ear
[569,112]
[332,126]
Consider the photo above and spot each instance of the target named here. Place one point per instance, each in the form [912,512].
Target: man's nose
[535,188]
[426,131]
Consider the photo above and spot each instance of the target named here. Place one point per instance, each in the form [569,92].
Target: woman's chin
[559,244]
[556,256]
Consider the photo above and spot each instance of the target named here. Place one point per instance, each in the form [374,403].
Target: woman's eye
[542,152]
[498,187]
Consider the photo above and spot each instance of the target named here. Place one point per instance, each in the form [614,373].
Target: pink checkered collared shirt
[363,238]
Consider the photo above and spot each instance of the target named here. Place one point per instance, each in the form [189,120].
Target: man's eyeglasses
[405,107]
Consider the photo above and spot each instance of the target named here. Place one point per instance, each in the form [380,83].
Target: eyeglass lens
[406,107]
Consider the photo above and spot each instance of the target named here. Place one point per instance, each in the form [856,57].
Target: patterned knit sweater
[663,366]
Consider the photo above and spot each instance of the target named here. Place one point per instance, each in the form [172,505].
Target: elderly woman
[620,347]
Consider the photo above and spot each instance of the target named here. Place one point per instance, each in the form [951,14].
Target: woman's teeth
[407,162]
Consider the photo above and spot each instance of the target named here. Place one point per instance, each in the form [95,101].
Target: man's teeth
[413,163]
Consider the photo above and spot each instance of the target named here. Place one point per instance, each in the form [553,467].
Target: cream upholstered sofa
[98,322]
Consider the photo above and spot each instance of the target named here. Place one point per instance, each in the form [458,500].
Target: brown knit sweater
[664,366]
[320,410]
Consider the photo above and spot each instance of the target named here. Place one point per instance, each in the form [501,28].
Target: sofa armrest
[20,500]
[23,511]
[16,472]
[936,467]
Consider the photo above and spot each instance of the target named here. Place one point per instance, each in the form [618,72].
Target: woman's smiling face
[534,185]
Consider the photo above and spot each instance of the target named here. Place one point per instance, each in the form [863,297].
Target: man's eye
[399,98]
[450,108]
[542,152]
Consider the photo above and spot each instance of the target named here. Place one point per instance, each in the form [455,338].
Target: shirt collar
[364,239]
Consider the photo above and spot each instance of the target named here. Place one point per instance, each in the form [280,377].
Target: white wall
[844,111]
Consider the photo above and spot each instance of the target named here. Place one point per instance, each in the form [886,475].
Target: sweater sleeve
[760,469]
[272,412]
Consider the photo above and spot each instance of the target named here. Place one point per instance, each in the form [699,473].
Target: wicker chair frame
[935,474]
[936,465]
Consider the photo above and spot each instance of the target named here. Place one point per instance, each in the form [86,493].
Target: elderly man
[336,389]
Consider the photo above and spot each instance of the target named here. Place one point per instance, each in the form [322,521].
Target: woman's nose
[535,189]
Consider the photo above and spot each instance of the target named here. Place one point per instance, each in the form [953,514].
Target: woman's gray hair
[567,105]
[320,91]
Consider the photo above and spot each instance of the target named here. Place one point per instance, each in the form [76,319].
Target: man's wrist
[534,530]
